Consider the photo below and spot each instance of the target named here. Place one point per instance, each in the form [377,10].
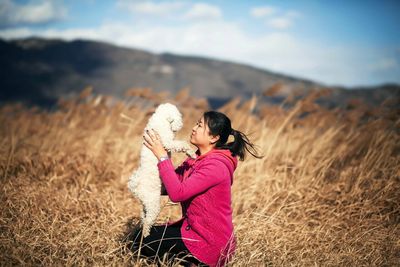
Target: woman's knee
[145,244]
[134,238]
[157,243]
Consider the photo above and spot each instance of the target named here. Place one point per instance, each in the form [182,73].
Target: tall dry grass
[326,193]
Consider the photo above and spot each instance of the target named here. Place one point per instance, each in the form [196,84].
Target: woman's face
[200,134]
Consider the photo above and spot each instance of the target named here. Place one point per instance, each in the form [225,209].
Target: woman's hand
[153,142]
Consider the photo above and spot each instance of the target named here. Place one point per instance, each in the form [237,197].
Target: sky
[336,43]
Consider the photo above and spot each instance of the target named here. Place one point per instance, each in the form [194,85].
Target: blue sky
[349,43]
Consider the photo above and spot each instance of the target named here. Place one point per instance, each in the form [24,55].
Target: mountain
[39,71]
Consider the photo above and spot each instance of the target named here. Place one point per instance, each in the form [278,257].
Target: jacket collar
[224,152]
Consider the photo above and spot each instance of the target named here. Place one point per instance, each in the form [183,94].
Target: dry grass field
[327,192]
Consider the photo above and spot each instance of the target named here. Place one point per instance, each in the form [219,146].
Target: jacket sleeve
[179,172]
[206,176]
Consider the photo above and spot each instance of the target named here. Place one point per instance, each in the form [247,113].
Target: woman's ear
[214,139]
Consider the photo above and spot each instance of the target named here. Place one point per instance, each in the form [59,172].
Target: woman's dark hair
[220,124]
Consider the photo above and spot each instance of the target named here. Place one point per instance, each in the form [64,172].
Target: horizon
[331,44]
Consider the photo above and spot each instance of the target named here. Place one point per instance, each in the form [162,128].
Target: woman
[204,235]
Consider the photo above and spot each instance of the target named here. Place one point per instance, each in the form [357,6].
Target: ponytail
[220,124]
[240,145]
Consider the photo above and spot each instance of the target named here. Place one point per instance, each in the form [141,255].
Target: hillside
[39,71]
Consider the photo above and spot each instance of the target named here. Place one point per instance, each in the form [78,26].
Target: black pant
[163,241]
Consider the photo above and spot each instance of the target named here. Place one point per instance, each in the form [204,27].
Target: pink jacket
[203,186]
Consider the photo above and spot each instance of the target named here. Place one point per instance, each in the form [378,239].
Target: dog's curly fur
[145,182]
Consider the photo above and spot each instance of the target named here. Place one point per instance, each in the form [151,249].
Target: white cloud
[173,9]
[283,21]
[16,33]
[12,14]
[260,12]
[280,23]
[203,11]
[151,8]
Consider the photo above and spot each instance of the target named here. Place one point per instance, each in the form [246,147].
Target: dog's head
[172,115]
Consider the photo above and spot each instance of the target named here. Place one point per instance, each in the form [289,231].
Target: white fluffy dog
[145,182]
